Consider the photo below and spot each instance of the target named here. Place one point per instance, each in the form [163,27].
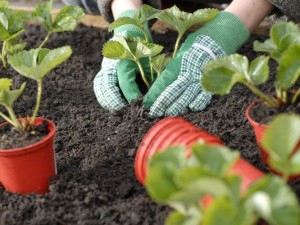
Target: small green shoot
[221,75]
[8,98]
[282,142]
[11,27]
[132,49]
[65,20]
[182,21]
[36,63]
[182,183]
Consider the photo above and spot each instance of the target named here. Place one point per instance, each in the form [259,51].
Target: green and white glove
[116,79]
[178,87]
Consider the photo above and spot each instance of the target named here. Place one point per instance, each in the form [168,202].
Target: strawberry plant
[11,27]
[135,49]
[283,46]
[182,183]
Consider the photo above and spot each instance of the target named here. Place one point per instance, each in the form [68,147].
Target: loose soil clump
[95,149]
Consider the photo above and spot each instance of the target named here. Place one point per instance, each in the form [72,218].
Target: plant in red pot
[283,47]
[27,160]
[182,183]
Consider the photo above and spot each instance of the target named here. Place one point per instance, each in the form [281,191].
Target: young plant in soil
[65,20]
[34,63]
[184,183]
[135,49]
[11,27]
[284,47]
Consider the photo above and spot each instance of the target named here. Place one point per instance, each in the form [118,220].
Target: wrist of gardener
[131,30]
[226,30]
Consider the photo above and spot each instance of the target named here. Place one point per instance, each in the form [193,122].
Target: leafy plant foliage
[283,46]
[179,20]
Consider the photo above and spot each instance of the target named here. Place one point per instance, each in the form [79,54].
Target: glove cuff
[226,30]
[131,30]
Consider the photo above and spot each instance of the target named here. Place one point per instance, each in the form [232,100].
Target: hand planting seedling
[183,183]
[284,47]
[136,49]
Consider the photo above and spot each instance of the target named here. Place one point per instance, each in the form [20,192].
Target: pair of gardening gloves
[178,87]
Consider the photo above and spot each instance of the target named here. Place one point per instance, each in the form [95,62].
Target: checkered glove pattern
[114,84]
[179,87]
[186,90]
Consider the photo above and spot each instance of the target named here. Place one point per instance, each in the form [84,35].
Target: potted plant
[136,49]
[284,47]
[214,185]
[27,159]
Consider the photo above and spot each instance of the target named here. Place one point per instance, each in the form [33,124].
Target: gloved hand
[179,87]
[119,75]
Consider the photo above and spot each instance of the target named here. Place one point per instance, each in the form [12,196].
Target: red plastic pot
[259,131]
[177,131]
[28,169]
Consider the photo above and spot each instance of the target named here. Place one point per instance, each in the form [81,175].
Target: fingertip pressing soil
[95,149]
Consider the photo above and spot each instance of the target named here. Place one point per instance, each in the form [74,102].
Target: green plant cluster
[283,46]
[137,48]
[31,63]
[184,183]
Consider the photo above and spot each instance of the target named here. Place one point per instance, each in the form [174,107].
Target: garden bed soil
[95,148]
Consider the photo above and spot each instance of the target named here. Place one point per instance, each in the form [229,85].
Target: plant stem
[7,118]
[3,54]
[38,101]
[296,95]
[13,117]
[142,73]
[256,91]
[45,40]
[177,44]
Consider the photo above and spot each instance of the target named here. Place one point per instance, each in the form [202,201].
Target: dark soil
[12,137]
[96,149]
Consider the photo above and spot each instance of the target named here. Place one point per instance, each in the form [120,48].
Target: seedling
[183,183]
[179,20]
[65,20]
[282,142]
[33,64]
[283,46]
[11,27]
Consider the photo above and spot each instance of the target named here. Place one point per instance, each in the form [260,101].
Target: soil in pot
[95,149]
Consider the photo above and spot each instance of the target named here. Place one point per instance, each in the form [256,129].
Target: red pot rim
[33,147]
[252,121]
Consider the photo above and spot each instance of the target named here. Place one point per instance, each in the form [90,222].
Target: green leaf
[7,96]
[159,62]
[36,63]
[125,21]
[146,13]
[177,218]
[182,21]
[67,17]
[115,50]
[289,67]
[221,211]
[215,158]
[42,13]
[259,70]
[274,201]
[162,169]
[3,4]
[11,23]
[280,140]
[282,136]
[281,29]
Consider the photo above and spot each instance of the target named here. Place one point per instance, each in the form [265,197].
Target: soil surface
[95,149]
